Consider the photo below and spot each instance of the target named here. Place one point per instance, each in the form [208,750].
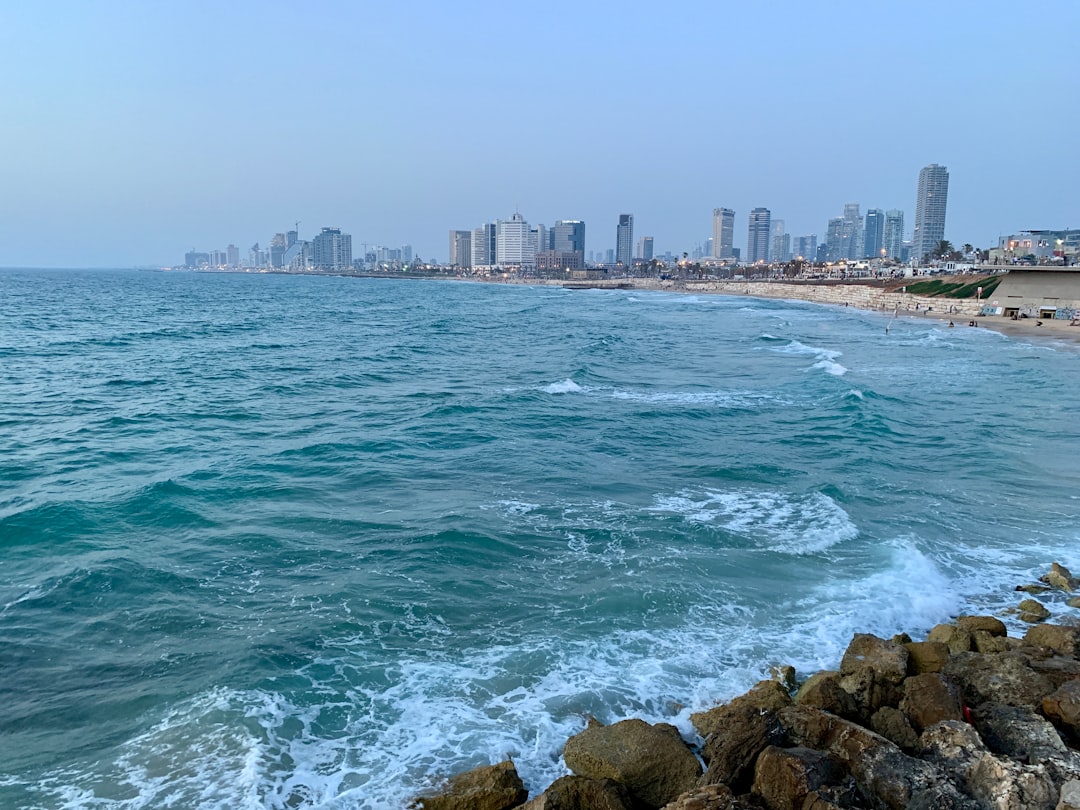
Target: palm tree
[944,249]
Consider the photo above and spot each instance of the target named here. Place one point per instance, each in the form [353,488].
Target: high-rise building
[645,248]
[780,250]
[483,245]
[568,236]
[873,236]
[278,246]
[806,247]
[853,231]
[893,240]
[723,232]
[232,256]
[513,245]
[624,240]
[460,249]
[757,241]
[930,203]
[331,250]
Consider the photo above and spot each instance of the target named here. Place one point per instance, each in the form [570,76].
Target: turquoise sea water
[279,541]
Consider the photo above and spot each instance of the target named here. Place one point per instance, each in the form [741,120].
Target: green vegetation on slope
[954,289]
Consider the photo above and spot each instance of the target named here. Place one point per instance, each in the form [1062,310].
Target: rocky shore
[969,718]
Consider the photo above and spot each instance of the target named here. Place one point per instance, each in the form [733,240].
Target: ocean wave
[563,387]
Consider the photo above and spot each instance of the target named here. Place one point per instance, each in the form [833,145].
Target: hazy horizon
[137,132]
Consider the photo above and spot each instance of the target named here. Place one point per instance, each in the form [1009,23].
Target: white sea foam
[564,387]
[718,399]
[831,367]
[776,521]
[826,358]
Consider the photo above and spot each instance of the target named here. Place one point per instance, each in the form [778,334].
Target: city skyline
[135,130]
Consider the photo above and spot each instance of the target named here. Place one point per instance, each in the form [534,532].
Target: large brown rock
[492,787]
[1057,668]
[653,762]
[1033,611]
[582,793]
[709,797]
[768,696]
[823,691]
[885,776]
[1004,678]
[989,624]
[894,726]
[985,642]
[1061,578]
[872,671]
[994,782]
[926,656]
[955,638]
[730,751]
[929,699]
[785,777]
[1055,638]
[1062,707]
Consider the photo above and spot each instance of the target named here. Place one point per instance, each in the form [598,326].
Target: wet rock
[823,691]
[1054,637]
[885,776]
[929,699]
[956,639]
[872,671]
[785,676]
[653,762]
[1034,590]
[1004,678]
[994,782]
[581,793]
[985,642]
[493,787]
[784,777]
[765,696]
[731,750]
[1032,611]
[989,624]
[1062,708]
[1073,601]
[894,726]
[926,656]
[709,797]
[1060,578]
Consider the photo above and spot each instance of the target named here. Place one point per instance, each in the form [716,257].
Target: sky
[133,132]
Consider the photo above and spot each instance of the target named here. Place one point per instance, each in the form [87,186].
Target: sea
[279,541]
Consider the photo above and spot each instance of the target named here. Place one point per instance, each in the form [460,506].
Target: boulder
[822,690]
[784,777]
[1073,601]
[1057,668]
[995,783]
[709,797]
[1033,589]
[767,696]
[1004,678]
[730,751]
[929,699]
[974,624]
[1054,637]
[926,656]
[492,787]
[652,762]
[1061,578]
[872,671]
[894,726]
[784,675]
[985,642]
[1018,733]
[1062,707]
[1070,796]
[885,776]
[581,793]
[1032,611]
[956,639]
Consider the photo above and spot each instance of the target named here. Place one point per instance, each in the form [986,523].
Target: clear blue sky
[134,131]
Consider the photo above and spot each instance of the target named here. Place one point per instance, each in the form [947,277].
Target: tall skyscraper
[513,245]
[331,250]
[568,236]
[460,249]
[483,245]
[645,248]
[874,233]
[757,241]
[723,232]
[854,231]
[930,210]
[806,248]
[893,240]
[780,251]
[624,240]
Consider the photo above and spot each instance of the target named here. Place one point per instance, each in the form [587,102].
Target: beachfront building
[723,238]
[932,196]
[514,245]
[1037,292]
[645,248]
[482,245]
[568,236]
[780,248]
[460,249]
[1038,247]
[757,239]
[624,240]
[892,240]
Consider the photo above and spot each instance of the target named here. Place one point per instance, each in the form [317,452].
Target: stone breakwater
[970,718]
